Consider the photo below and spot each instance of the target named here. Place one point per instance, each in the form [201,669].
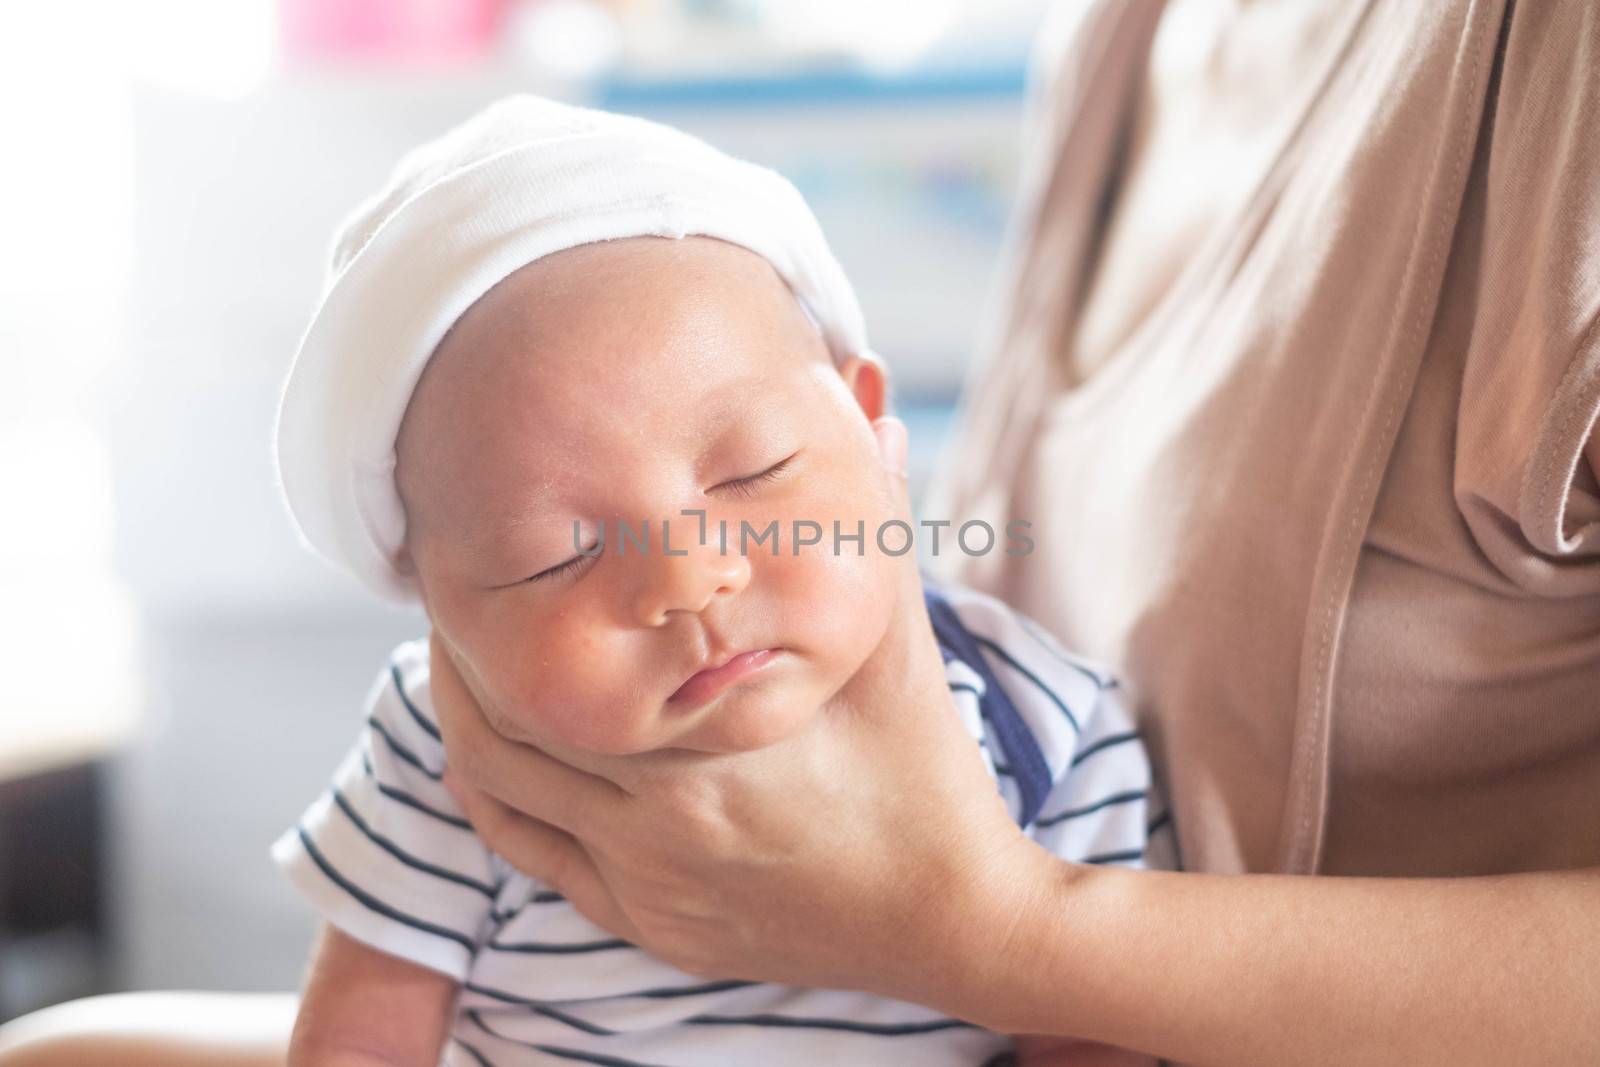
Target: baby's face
[631,381]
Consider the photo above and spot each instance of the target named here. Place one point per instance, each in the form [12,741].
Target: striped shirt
[387,856]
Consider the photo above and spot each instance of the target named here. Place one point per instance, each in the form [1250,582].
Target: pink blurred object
[404,31]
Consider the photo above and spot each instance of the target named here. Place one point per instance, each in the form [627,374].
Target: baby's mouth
[706,684]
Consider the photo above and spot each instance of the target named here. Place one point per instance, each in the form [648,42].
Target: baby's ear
[868,382]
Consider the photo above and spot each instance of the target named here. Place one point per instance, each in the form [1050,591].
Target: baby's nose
[680,574]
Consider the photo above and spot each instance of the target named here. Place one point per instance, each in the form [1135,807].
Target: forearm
[1240,971]
[310,1047]
[302,1056]
[364,1008]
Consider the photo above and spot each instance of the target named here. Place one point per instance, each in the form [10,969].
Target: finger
[543,853]
[518,775]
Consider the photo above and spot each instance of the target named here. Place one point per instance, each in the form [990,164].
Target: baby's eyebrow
[487,539]
[748,409]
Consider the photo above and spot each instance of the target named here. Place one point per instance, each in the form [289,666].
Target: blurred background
[180,675]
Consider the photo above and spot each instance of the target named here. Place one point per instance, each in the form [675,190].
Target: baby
[600,398]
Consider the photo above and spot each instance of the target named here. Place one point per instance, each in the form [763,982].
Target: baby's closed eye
[746,487]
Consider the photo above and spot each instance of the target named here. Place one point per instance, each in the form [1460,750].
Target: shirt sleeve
[1076,741]
[385,854]
[1526,471]
[1104,806]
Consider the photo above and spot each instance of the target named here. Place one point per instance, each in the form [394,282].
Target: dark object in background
[53,943]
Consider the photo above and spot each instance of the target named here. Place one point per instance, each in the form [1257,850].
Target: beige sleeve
[1527,455]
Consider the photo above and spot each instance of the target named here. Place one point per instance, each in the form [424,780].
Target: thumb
[892,444]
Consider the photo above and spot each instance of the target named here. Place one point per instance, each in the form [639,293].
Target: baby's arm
[1035,1051]
[366,1008]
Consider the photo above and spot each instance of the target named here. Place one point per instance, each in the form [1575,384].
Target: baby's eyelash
[560,569]
[745,487]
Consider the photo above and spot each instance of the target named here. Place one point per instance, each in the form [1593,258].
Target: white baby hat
[520,180]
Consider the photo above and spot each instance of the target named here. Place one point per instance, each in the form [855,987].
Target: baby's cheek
[576,695]
[844,598]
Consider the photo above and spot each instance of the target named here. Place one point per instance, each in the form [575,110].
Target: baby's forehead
[609,347]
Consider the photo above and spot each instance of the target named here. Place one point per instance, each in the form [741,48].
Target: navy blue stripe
[1020,669]
[539,1007]
[846,1025]
[500,995]
[591,1057]
[1109,741]
[1115,857]
[1160,821]
[422,720]
[474,1053]
[562,1053]
[557,948]
[402,855]
[400,750]
[1048,644]
[667,993]
[1073,813]
[965,687]
[400,796]
[546,896]
[670,992]
[372,903]
[1027,763]
[573,1021]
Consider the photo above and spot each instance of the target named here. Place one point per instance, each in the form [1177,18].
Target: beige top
[1331,508]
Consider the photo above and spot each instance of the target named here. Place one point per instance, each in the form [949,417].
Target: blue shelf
[812,87]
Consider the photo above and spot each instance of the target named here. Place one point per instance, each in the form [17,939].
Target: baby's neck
[906,653]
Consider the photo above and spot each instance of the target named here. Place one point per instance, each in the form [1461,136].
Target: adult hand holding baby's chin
[862,852]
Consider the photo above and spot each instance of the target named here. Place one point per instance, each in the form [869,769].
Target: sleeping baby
[599,398]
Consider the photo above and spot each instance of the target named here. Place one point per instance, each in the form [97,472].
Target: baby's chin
[753,715]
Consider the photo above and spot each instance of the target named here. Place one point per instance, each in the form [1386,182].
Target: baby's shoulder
[1039,710]
[970,624]
[399,708]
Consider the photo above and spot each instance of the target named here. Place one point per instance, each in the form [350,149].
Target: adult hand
[851,855]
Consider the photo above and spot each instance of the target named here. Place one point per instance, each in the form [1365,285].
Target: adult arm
[872,852]
[846,891]
[153,1030]
[1036,1051]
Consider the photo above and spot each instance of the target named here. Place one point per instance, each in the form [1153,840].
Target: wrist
[1009,931]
